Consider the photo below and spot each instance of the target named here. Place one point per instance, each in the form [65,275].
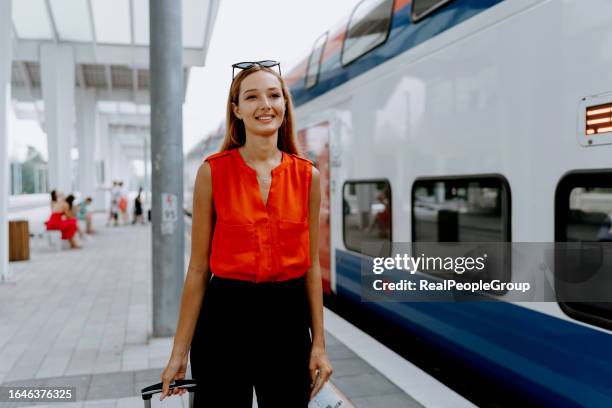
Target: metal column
[166,69]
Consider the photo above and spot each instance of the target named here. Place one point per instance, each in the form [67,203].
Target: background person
[123,204]
[85,215]
[138,208]
[70,214]
[113,214]
[61,220]
[53,199]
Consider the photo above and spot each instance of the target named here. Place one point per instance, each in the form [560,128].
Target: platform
[83,318]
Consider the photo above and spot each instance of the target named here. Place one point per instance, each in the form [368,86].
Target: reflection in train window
[366,209]
[368,28]
[423,8]
[588,220]
[314,62]
[583,213]
[461,209]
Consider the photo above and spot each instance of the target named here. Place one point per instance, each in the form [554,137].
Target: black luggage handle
[148,392]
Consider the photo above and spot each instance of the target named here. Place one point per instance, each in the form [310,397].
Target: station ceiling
[110,39]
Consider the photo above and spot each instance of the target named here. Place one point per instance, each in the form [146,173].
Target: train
[467,121]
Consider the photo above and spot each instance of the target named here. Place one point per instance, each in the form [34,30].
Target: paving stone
[151,375]
[365,385]
[351,366]
[330,340]
[110,403]
[116,390]
[339,352]
[395,400]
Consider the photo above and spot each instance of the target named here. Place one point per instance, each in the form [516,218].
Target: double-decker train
[468,121]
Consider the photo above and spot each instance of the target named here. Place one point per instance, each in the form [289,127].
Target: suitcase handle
[151,390]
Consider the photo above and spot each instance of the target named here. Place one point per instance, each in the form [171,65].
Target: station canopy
[110,39]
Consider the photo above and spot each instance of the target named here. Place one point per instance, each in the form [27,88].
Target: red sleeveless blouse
[257,242]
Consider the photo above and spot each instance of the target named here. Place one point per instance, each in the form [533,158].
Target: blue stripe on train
[403,36]
[552,360]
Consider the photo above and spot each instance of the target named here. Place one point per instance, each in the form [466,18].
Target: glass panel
[590,220]
[314,63]
[590,215]
[24,107]
[112,21]
[473,209]
[194,22]
[366,209]
[31,20]
[420,8]
[72,20]
[141,22]
[33,172]
[144,109]
[107,107]
[127,107]
[460,210]
[368,28]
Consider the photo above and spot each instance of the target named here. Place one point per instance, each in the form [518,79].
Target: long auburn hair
[235,135]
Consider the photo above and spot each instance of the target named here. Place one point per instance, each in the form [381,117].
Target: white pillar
[115,158]
[57,72]
[103,151]
[86,139]
[6,57]
[102,197]
[126,170]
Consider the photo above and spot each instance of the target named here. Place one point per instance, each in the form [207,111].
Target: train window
[314,62]
[461,209]
[423,8]
[366,214]
[464,209]
[583,213]
[367,29]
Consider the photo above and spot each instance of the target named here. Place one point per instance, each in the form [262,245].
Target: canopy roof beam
[52,21]
[92,27]
[84,53]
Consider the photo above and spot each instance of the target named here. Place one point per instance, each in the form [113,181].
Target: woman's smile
[265,118]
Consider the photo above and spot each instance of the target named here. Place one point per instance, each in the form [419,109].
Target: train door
[314,144]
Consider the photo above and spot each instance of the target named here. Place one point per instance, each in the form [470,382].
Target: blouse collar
[284,162]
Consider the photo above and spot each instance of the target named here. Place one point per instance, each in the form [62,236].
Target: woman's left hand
[320,369]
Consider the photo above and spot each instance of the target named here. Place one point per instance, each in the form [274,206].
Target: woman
[123,204]
[255,226]
[138,208]
[53,199]
[71,216]
[62,218]
[113,214]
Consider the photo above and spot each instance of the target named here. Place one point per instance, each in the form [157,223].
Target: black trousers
[252,335]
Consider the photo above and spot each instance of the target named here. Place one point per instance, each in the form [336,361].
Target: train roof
[406,30]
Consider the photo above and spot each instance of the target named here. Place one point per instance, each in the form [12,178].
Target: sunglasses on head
[250,64]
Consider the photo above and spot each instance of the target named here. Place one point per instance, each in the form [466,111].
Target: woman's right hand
[175,370]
